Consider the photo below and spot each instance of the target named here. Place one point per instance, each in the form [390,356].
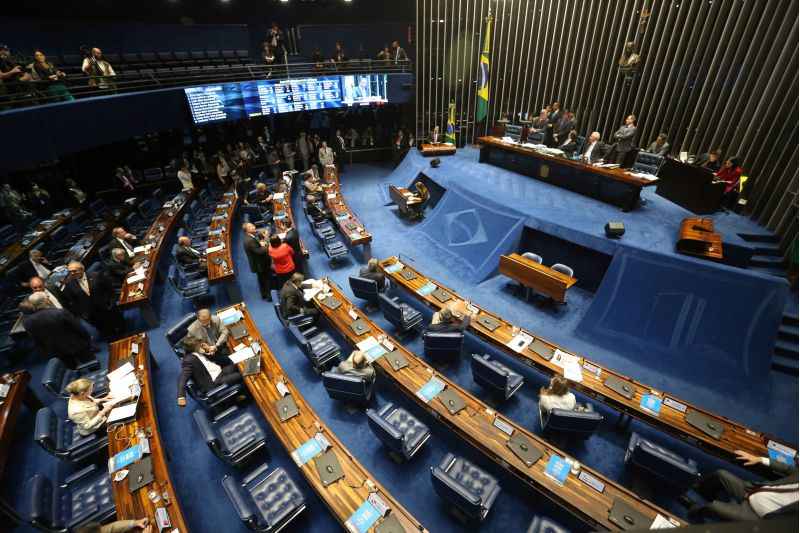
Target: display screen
[232,101]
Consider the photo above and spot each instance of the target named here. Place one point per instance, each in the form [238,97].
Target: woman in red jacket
[282,256]
[730,174]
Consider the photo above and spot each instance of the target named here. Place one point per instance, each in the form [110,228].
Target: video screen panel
[365,89]
[215,103]
[265,97]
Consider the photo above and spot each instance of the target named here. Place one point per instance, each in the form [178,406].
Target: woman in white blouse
[556,395]
[87,413]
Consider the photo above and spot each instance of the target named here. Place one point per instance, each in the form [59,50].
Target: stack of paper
[278,196]
[230,316]
[520,341]
[240,355]
[138,276]
[309,294]
[571,365]
[217,248]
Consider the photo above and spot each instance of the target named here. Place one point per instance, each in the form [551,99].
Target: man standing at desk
[258,258]
[625,140]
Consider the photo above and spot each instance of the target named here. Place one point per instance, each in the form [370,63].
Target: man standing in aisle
[258,257]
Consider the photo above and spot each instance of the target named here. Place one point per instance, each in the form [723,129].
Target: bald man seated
[357,365]
[189,257]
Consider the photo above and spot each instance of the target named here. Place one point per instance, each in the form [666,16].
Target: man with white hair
[357,365]
[93,299]
[56,332]
[592,150]
[123,239]
[189,257]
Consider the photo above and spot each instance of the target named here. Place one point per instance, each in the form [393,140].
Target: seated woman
[87,413]
[556,395]
[730,173]
[207,370]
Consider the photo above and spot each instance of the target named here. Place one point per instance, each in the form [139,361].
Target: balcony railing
[31,93]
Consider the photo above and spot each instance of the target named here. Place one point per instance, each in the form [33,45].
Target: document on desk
[371,348]
[520,341]
[426,289]
[240,355]
[570,364]
[121,389]
[431,389]
[309,294]
[217,248]
[278,196]
[395,267]
[122,413]
[120,372]
[137,277]
[662,522]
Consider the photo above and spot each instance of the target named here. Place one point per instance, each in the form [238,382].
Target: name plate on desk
[451,400]
[488,322]
[328,467]
[619,386]
[706,424]
[286,408]
[524,449]
[441,295]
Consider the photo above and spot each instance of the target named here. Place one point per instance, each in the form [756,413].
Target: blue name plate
[651,403]
[363,519]
[307,451]
[429,391]
[125,457]
[426,289]
[396,267]
[558,469]
[375,352]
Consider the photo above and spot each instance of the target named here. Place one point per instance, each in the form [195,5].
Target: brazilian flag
[483,88]
[450,135]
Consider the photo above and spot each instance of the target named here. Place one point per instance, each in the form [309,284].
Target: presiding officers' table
[343,496]
[351,228]
[14,251]
[611,185]
[710,431]
[220,259]
[136,505]
[588,495]
[138,286]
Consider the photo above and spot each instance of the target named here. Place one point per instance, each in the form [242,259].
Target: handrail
[188,76]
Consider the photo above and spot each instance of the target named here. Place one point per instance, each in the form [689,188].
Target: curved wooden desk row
[344,496]
[622,393]
[220,263]
[138,293]
[282,218]
[349,226]
[14,251]
[90,242]
[493,434]
[136,505]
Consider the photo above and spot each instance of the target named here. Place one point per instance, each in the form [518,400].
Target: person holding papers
[210,330]
[87,413]
[556,395]
[292,298]
[357,365]
[206,367]
[282,256]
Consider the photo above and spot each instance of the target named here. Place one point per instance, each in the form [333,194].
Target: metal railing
[32,93]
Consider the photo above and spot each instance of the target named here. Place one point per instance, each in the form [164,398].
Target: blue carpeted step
[786,365]
[788,332]
[753,237]
[777,272]
[786,348]
[768,248]
[789,319]
[771,261]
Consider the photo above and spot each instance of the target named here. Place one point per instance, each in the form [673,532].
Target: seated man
[36,265]
[188,257]
[316,209]
[205,368]
[37,284]
[118,266]
[593,149]
[448,321]
[357,365]
[373,272]
[292,301]
[748,500]
[262,197]
[124,239]
[210,330]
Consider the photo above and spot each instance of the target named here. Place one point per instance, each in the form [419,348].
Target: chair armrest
[84,442]
[89,367]
[238,499]
[227,412]
[79,475]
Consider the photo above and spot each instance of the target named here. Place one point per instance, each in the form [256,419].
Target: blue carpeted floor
[197,473]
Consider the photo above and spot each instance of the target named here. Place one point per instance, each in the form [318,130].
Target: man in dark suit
[258,257]
[625,140]
[748,500]
[56,331]
[371,271]
[565,125]
[361,90]
[292,300]
[36,265]
[552,123]
[205,368]
[117,267]
[123,239]
[93,299]
[593,149]
[187,256]
[445,321]
[340,148]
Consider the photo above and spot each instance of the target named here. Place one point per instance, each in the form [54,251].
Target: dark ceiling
[219,11]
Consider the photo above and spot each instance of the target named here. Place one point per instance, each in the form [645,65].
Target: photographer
[98,69]
[49,79]
[11,77]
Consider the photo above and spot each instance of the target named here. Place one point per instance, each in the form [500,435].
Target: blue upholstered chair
[348,388]
[564,269]
[59,437]
[582,423]
[98,207]
[301,321]
[187,289]
[495,376]
[542,524]
[233,435]
[399,431]
[399,314]
[7,235]
[265,502]
[216,398]
[85,496]
[667,465]
[319,347]
[647,163]
[443,346]
[470,490]
[536,137]
[177,333]
[57,376]
[366,289]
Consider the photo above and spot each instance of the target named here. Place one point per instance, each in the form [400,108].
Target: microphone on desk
[401,256]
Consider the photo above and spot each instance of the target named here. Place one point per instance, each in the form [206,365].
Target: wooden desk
[672,419]
[350,227]
[138,505]
[342,497]
[475,425]
[220,263]
[282,218]
[138,294]
[436,150]
[611,185]
[14,251]
[405,199]
[697,237]
[538,277]
[10,408]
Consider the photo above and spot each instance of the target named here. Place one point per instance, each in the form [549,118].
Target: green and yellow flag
[450,134]
[483,88]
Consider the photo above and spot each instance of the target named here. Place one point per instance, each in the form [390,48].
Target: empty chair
[564,269]
[319,347]
[443,346]
[334,249]
[495,376]
[265,501]
[648,163]
[348,388]
[57,376]
[470,490]
[536,138]
[581,422]
[234,436]
[191,290]
[665,464]
[177,333]
[398,430]
[85,496]
[58,437]
[533,257]
[401,315]
[366,289]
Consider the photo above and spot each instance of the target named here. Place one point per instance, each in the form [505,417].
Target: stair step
[768,261]
[751,237]
[768,248]
[777,272]
[789,318]
[786,348]
[788,332]
[785,364]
